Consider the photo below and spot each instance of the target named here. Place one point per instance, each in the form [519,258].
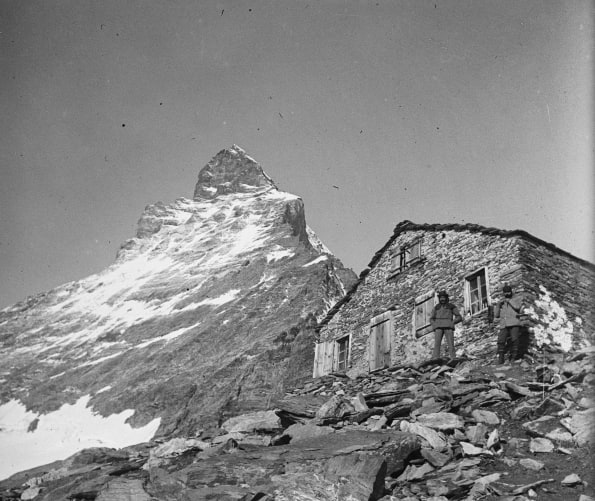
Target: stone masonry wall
[448,257]
[570,281]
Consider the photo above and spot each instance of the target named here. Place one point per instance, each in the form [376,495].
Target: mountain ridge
[208,311]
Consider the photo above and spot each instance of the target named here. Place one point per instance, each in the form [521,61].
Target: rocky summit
[206,314]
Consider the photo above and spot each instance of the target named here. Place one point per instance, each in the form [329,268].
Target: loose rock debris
[443,430]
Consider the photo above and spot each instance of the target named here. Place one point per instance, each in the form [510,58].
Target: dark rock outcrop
[230,171]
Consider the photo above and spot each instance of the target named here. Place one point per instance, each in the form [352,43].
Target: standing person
[507,312]
[443,319]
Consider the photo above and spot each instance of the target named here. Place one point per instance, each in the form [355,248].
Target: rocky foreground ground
[458,429]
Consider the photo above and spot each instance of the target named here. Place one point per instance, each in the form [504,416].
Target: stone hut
[384,319]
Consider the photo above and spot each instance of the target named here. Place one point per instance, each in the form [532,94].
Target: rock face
[206,314]
[231,171]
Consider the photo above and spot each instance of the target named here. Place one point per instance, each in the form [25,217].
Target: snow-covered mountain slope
[206,313]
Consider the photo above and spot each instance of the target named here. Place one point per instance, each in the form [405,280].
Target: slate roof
[406,225]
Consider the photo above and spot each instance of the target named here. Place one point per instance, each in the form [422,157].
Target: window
[406,256]
[476,292]
[330,356]
[421,316]
[342,353]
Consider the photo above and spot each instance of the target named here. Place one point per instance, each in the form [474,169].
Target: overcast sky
[373,111]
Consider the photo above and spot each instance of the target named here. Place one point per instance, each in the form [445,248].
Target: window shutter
[329,357]
[372,355]
[317,360]
[379,341]
[415,251]
[466,297]
[422,310]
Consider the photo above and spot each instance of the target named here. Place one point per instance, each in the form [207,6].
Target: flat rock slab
[441,421]
[541,445]
[541,427]
[336,407]
[531,464]
[308,467]
[435,458]
[300,407]
[435,439]
[471,450]
[266,421]
[123,488]
[561,436]
[487,417]
[518,389]
[572,479]
[582,425]
[304,431]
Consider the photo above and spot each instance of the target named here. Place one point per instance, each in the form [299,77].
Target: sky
[440,111]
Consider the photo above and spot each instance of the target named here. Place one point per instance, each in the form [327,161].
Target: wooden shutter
[379,341]
[422,310]
[318,348]
[328,360]
[323,358]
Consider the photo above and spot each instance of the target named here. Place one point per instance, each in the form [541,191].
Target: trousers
[450,341]
[505,334]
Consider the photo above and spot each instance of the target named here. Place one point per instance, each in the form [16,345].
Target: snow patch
[317,260]
[167,337]
[316,242]
[222,299]
[266,277]
[99,360]
[61,433]
[279,253]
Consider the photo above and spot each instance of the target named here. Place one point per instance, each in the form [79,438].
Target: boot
[500,358]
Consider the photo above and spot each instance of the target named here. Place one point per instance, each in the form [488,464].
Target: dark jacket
[508,310]
[445,316]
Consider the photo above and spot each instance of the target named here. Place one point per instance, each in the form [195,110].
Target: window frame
[400,261]
[483,302]
[345,342]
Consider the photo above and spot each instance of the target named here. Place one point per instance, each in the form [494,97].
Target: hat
[507,288]
[443,293]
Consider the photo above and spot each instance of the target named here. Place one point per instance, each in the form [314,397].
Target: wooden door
[379,341]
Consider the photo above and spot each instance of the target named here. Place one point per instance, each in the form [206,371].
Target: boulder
[541,445]
[298,431]
[531,464]
[582,425]
[571,480]
[359,403]
[335,408]
[260,421]
[435,439]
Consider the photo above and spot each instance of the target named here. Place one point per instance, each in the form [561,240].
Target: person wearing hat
[507,312]
[443,319]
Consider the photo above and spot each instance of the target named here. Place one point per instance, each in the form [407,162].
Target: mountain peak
[231,171]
